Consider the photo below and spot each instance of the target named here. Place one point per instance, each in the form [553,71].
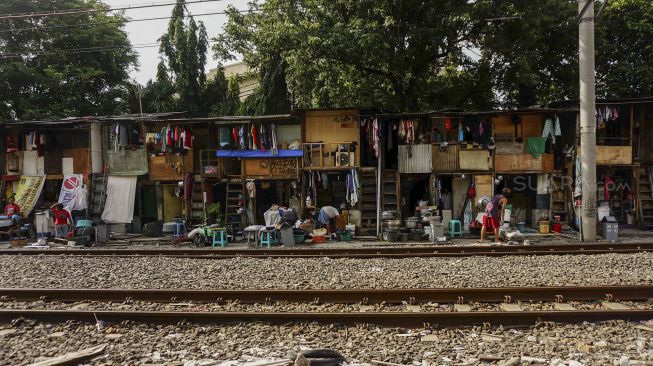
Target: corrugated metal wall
[415,159]
[445,160]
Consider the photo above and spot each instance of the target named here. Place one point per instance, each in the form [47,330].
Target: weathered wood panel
[271,168]
[509,148]
[447,160]
[81,162]
[614,155]
[483,184]
[474,160]
[170,167]
[415,159]
[330,126]
[523,163]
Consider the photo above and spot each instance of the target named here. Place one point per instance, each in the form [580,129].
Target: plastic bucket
[557,227]
[543,227]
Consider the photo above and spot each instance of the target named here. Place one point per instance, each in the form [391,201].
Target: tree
[532,50]
[624,49]
[183,58]
[344,53]
[54,67]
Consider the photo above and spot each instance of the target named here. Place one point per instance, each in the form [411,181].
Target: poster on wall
[28,192]
[73,193]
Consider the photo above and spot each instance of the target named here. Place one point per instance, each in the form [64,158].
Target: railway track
[364,296]
[511,315]
[361,252]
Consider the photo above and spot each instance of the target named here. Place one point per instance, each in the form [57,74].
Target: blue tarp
[254,154]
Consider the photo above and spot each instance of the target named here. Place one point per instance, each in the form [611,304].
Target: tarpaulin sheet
[254,154]
[134,162]
[121,193]
[73,193]
[28,192]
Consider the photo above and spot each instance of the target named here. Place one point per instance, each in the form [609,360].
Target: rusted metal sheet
[415,159]
[445,159]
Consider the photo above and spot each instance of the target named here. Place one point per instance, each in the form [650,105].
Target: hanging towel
[535,146]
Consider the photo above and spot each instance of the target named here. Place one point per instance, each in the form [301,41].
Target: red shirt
[61,217]
[12,209]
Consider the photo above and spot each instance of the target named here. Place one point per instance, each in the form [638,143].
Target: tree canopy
[50,69]
[419,55]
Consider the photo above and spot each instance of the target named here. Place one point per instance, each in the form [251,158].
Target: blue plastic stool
[180,228]
[269,238]
[219,237]
[452,228]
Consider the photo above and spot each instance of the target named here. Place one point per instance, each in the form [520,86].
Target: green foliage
[624,55]
[215,210]
[344,53]
[45,81]
[532,50]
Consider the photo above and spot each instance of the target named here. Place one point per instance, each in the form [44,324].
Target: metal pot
[394,224]
[411,223]
[388,215]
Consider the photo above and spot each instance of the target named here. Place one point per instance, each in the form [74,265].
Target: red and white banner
[73,193]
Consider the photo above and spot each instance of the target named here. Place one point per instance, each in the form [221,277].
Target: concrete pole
[587,118]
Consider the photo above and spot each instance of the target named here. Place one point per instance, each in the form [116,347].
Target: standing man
[494,213]
[62,220]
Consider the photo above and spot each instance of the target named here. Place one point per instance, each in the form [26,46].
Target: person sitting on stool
[12,211]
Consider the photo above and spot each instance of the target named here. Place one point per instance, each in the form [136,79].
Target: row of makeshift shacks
[137,169]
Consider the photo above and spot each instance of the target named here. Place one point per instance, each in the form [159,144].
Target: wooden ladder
[98,193]
[233,220]
[368,199]
[645,196]
[391,187]
[197,213]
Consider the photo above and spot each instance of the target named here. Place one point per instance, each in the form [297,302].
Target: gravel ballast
[613,343]
[325,273]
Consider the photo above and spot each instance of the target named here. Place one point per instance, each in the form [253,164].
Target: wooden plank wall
[165,168]
[445,161]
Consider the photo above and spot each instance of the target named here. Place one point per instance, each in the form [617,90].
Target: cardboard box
[18,243]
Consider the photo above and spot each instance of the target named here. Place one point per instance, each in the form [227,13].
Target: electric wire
[92,10]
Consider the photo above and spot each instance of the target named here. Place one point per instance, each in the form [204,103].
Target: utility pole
[587,118]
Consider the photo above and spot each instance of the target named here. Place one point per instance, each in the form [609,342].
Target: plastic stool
[269,238]
[180,228]
[219,237]
[452,228]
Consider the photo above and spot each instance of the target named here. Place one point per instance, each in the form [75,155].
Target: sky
[150,31]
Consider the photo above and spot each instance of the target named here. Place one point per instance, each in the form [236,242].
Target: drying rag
[535,146]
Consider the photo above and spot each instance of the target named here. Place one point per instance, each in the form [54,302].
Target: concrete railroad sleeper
[349,296]
[367,252]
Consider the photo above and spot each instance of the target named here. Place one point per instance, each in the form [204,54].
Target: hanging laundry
[548,130]
[255,142]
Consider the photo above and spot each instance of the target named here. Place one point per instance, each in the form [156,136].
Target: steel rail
[393,319]
[349,296]
[367,252]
